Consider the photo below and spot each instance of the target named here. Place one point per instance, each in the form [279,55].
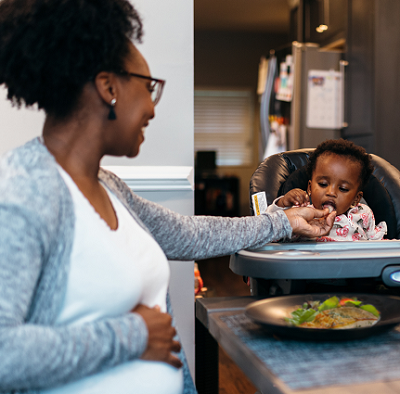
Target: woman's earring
[111,115]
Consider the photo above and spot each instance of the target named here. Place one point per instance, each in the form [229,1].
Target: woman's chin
[134,152]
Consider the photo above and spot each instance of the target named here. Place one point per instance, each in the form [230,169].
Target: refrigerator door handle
[342,65]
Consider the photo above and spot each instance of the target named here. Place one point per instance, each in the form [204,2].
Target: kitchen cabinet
[368,33]
[372,77]
[329,13]
[360,74]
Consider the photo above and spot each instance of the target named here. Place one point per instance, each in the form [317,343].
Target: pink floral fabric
[358,224]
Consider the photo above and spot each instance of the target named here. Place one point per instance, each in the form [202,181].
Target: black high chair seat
[282,172]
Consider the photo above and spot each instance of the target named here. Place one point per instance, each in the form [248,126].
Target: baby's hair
[343,148]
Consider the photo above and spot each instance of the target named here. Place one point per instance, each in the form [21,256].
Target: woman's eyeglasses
[156,85]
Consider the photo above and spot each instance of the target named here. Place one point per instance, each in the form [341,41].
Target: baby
[338,169]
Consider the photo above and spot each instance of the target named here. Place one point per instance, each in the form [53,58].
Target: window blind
[223,121]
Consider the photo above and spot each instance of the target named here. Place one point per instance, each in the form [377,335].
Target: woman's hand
[160,344]
[310,222]
[294,197]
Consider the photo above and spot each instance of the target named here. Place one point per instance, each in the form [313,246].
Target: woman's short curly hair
[343,148]
[49,49]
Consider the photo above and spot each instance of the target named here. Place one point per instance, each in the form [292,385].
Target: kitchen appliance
[303,98]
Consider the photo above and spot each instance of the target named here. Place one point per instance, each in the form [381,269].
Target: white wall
[168,48]
[17,125]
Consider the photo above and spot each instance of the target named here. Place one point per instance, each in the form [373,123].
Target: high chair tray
[318,260]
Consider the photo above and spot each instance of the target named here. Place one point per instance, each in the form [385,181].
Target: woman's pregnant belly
[139,376]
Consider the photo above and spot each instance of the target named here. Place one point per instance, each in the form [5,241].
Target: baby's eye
[322,184]
[343,189]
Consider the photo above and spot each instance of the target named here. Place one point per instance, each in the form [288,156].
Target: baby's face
[335,182]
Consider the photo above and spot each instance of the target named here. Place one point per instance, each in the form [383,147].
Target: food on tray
[334,314]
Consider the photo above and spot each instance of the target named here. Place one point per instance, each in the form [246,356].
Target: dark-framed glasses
[156,85]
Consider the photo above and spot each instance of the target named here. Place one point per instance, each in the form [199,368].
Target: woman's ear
[358,197]
[105,83]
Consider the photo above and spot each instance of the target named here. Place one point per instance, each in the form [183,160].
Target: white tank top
[110,273]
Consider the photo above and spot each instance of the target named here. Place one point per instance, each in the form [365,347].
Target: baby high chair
[376,261]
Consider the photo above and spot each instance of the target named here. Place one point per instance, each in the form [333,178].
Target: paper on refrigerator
[324,99]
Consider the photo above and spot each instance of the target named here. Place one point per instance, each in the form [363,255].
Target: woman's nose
[152,113]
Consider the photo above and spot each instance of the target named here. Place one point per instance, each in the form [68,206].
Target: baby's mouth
[330,205]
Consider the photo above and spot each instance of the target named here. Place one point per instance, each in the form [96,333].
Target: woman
[83,268]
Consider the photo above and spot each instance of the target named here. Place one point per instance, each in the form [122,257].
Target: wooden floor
[222,282]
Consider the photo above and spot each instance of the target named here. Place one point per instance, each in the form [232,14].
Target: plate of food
[327,316]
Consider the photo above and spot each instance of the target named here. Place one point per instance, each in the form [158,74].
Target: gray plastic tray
[315,260]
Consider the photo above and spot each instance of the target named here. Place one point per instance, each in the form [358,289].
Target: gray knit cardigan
[36,235]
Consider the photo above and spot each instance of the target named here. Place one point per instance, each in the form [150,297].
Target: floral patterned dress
[355,225]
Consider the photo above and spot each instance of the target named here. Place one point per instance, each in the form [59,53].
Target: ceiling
[243,15]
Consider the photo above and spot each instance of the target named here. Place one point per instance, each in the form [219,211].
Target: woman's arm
[199,237]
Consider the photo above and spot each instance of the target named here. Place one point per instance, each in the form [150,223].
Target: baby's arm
[294,197]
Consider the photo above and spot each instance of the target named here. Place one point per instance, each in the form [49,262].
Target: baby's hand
[294,197]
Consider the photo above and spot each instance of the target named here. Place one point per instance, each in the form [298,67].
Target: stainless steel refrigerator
[295,96]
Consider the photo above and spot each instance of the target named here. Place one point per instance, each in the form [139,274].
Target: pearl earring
[112,115]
